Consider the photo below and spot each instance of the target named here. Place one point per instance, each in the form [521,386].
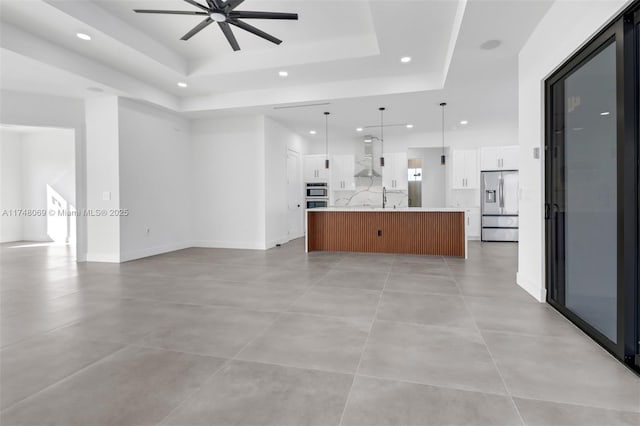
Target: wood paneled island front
[436,232]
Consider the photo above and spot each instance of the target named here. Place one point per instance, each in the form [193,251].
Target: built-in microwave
[317,190]
[315,204]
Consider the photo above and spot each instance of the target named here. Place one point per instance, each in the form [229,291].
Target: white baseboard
[104,258]
[152,251]
[535,289]
[245,245]
[282,240]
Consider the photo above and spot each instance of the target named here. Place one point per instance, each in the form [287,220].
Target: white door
[510,156]
[294,195]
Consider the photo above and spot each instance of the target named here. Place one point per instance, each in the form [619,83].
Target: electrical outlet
[147,230]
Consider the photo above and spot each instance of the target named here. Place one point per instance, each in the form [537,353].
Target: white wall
[48,160]
[552,43]
[102,164]
[228,161]
[10,185]
[279,139]
[28,109]
[155,177]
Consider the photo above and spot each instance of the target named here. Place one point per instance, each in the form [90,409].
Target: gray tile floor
[234,337]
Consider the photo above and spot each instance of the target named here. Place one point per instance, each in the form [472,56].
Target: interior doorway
[415,182]
[38,188]
[294,195]
[432,177]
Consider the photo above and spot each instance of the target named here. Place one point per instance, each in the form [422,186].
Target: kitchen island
[413,230]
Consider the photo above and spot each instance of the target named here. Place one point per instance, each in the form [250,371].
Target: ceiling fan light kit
[224,14]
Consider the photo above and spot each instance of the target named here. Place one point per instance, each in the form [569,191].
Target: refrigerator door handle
[501,191]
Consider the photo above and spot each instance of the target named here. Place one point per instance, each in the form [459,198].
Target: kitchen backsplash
[368,193]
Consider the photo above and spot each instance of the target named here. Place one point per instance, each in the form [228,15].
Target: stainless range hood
[369,170]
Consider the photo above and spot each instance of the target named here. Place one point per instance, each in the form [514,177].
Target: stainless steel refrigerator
[500,206]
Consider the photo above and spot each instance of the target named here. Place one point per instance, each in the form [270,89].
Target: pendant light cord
[326,139]
[382,136]
[443,105]
[326,134]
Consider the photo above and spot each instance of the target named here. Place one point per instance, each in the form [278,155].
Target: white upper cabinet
[394,172]
[510,157]
[464,163]
[342,173]
[500,158]
[314,170]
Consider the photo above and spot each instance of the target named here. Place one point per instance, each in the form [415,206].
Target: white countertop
[388,209]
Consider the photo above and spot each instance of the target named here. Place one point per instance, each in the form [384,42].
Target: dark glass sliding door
[591,194]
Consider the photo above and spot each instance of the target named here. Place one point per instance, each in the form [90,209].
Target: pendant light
[326,139]
[382,136]
[443,159]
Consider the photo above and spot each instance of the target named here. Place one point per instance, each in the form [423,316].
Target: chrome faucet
[384,197]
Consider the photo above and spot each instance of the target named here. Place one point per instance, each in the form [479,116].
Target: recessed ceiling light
[409,126]
[283,74]
[359,129]
[464,122]
[83,36]
[490,44]
[312,132]
[182,84]
[405,60]
[605,113]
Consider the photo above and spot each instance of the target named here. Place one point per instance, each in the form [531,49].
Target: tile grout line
[366,342]
[495,364]
[234,357]
[80,370]
[440,386]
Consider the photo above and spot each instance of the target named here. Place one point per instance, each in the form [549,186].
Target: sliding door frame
[622,32]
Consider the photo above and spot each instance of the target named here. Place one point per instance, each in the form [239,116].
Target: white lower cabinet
[473,223]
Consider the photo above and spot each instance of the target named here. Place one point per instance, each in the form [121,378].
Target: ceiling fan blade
[232,4]
[170,12]
[216,4]
[226,29]
[197,29]
[255,31]
[244,14]
[196,4]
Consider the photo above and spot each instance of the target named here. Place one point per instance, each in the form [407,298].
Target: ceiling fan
[224,13]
